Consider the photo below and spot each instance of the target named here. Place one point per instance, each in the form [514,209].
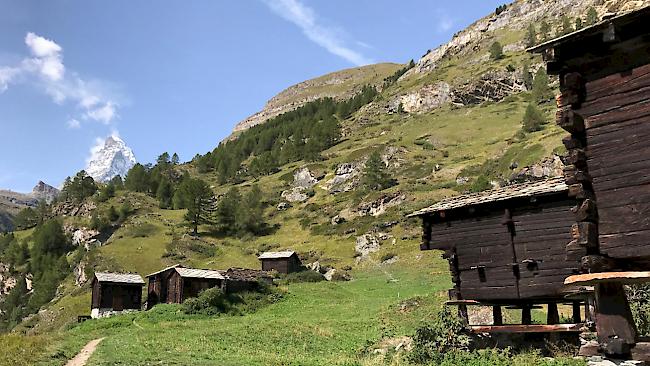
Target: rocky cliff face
[44,191]
[113,159]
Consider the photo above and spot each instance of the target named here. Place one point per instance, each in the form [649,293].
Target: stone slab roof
[529,189]
[276,255]
[192,272]
[130,278]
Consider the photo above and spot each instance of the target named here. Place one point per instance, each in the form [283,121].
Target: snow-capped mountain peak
[109,159]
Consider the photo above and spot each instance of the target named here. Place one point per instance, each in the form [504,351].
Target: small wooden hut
[114,293]
[604,73]
[174,284]
[506,246]
[282,262]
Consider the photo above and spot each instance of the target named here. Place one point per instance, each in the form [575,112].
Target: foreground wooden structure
[113,293]
[506,247]
[604,73]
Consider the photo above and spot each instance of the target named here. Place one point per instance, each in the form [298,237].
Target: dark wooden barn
[174,284]
[282,262]
[506,246]
[115,292]
[604,104]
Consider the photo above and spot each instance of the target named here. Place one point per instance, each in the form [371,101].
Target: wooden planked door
[118,298]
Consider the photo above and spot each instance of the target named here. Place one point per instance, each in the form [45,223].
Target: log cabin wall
[506,252]
[604,104]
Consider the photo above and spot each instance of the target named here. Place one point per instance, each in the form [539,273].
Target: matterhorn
[112,159]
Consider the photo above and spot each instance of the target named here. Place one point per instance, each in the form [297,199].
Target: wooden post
[576,312]
[497,317]
[614,322]
[462,313]
[552,316]
[526,318]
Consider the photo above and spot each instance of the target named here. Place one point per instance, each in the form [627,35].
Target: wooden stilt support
[552,316]
[614,322]
[462,314]
[590,309]
[497,317]
[576,312]
[526,317]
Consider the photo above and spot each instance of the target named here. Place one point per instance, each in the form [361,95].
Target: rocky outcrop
[491,87]
[80,274]
[549,167]
[365,245]
[295,194]
[426,99]
[7,281]
[380,205]
[346,177]
[45,192]
[84,237]
[67,208]
[303,181]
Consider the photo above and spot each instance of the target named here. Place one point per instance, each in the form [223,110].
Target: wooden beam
[614,323]
[569,120]
[533,328]
[576,312]
[552,315]
[463,302]
[608,277]
[497,317]
[526,317]
[586,211]
[585,234]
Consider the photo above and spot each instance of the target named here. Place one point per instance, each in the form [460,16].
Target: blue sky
[177,76]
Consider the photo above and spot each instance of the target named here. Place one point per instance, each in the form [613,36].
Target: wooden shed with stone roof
[506,246]
[282,262]
[115,292]
[604,105]
[174,284]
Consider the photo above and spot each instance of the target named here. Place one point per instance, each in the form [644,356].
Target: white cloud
[308,21]
[73,123]
[444,23]
[45,70]
[104,113]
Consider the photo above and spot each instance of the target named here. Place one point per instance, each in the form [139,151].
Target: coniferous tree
[165,193]
[12,308]
[578,23]
[107,192]
[496,51]
[533,119]
[227,213]
[80,187]
[592,16]
[375,175]
[137,179]
[527,76]
[196,196]
[531,36]
[541,90]
[544,31]
[566,25]
[252,215]
[175,159]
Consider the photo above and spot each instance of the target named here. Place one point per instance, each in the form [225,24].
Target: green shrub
[639,297]
[141,230]
[496,51]
[533,119]
[480,184]
[214,301]
[304,276]
[436,338]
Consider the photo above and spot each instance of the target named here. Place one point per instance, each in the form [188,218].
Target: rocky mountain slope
[451,124]
[12,202]
[341,84]
[112,159]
